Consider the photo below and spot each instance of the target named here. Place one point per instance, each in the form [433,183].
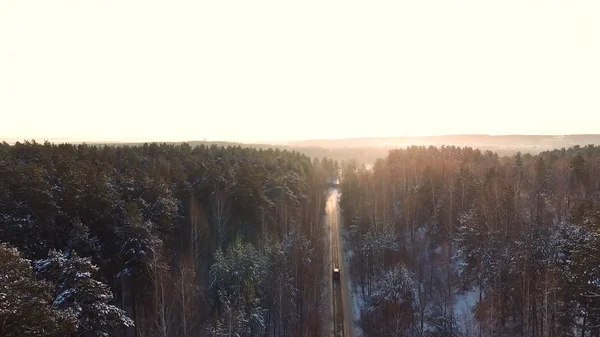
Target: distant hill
[523,143]
[367,150]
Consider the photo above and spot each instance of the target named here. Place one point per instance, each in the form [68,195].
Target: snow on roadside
[464,316]
[357,300]
[464,303]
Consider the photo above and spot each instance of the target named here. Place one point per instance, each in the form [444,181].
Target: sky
[289,70]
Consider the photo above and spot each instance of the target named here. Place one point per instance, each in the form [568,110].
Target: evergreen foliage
[513,240]
[140,231]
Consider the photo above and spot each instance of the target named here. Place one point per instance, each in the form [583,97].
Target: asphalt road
[342,315]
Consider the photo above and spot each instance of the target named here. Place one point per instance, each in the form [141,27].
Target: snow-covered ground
[464,304]
[357,303]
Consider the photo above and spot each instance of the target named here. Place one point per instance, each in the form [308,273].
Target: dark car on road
[333,182]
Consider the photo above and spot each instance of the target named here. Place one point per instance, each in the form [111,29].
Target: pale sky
[273,70]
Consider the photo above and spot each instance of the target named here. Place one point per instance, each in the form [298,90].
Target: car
[332,182]
[336,273]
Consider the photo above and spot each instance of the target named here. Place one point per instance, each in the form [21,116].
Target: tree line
[458,242]
[161,240]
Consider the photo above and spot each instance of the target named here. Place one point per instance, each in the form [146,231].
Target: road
[342,315]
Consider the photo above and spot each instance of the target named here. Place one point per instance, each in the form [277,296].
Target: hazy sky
[268,70]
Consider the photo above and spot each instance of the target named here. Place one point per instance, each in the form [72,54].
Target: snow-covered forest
[161,241]
[166,240]
[455,242]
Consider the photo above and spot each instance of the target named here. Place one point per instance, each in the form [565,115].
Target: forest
[170,240]
[161,240]
[450,241]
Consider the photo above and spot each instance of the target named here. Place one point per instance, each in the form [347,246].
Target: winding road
[342,314]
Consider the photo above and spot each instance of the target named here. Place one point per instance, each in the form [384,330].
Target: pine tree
[26,308]
[390,310]
[234,280]
[76,291]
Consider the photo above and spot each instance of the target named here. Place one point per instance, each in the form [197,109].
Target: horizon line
[71,140]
